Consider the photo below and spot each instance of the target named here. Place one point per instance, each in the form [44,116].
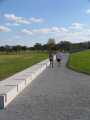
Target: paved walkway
[57,94]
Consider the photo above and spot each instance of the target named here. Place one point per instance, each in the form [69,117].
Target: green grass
[80,61]
[13,63]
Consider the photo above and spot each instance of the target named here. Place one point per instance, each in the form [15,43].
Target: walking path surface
[57,94]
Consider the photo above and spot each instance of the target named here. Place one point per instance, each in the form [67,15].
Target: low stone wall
[12,86]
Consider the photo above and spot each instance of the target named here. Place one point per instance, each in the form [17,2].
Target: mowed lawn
[80,61]
[11,64]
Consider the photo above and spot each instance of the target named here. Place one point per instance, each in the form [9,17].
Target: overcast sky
[26,22]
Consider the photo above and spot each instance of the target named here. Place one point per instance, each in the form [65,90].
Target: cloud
[4,29]
[36,20]
[87,11]
[22,20]
[79,33]
[18,20]
[58,29]
[77,26]
[35,31]
[28,32]
[12,24]
[44,30]
[76,32]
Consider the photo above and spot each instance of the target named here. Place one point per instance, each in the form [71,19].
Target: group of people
[58,58]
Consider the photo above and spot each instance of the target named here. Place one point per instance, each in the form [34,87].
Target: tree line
[50,45]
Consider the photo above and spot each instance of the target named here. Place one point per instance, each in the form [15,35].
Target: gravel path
[57,94]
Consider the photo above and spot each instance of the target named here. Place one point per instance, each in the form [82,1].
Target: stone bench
[12,86]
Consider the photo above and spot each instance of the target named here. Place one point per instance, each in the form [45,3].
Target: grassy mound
[80,61]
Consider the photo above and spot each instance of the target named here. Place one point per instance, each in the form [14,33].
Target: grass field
[80,61]
[12,63]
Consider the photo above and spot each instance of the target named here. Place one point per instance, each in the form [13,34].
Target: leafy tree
[64,45]
[38,46]
[51,44]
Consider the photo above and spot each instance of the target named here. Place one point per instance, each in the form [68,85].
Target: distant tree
[85,45]
[79,46]
[38,46]
[64,45]
[51,44]
[88,44]
[7,49]
[2,49]
[17,48]
[31,48]
[45,47]
[24,48]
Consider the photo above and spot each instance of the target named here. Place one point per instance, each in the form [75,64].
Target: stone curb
[12,86]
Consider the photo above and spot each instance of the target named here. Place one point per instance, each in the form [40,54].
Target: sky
[27,22]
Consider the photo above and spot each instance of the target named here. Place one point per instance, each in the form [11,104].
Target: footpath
[56,94]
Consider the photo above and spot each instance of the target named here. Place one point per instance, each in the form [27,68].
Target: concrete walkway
[57,94]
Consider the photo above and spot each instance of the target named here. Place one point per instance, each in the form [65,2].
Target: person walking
[51,59]
[58,57]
